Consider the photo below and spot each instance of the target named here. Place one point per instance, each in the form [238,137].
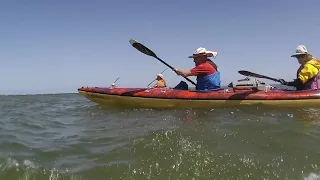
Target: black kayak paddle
[140,47]
[114,82]
[248,73]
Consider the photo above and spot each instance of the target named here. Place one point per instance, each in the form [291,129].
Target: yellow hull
[156,103]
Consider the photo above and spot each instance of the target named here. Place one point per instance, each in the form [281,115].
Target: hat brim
[208,54]
[298,54]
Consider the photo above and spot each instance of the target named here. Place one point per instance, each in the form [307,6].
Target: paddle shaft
[273,79]
[115,81]
[175,70]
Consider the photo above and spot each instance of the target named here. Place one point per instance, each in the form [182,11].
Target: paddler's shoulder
[313,62]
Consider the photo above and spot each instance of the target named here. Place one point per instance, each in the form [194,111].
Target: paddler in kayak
[113,85]
[208,76]
[308,74]
[161,83]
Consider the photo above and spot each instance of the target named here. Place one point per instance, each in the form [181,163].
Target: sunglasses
[300,56]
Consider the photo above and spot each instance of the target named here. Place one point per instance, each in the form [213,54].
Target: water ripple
[68,137]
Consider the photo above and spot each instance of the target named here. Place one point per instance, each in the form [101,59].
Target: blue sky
[58,46]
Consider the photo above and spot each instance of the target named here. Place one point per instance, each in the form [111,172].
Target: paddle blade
[247,73]
[140,47]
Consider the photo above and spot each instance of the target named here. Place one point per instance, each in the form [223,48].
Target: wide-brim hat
[301,50]
[203,51]
[160,75]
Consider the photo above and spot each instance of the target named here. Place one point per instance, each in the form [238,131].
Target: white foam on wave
[10,163]
[312,176]
[28,170]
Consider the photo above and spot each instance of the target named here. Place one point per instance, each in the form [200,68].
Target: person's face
[199,59]
[302,59]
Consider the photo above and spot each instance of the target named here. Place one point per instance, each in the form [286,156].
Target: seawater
[65,136]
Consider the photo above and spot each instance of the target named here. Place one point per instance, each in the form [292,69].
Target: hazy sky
[58,46]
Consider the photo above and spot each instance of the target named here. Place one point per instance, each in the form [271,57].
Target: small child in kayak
[161,83]
[208,76]
[308,74]
[113,85]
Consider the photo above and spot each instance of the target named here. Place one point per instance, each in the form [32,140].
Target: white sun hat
[160,75]
[301,49]
[203,51]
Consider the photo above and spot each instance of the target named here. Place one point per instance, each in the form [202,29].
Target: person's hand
[283,82]
[177,71]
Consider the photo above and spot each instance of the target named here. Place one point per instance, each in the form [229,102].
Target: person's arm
[200,69]
[307,73]
[155,85]
[184,73]
[296,83]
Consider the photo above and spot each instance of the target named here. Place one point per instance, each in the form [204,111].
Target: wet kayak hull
[169,98]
